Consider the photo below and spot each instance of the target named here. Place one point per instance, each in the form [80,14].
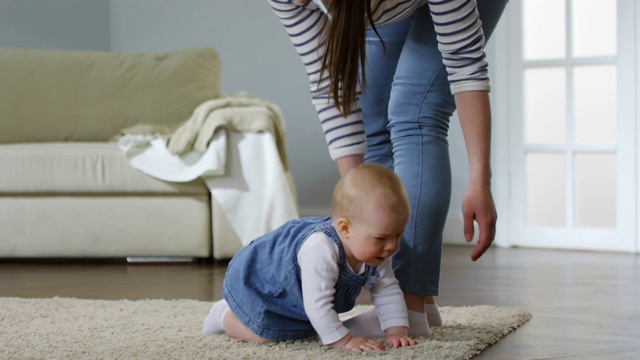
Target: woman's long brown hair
[344,50]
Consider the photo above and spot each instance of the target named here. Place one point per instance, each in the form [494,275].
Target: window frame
[507,69]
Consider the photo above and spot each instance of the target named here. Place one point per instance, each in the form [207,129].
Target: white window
[566,138]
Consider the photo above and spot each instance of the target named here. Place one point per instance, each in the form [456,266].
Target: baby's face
[375,233]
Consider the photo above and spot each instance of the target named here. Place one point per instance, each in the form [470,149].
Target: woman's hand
[357,344]
[478,206]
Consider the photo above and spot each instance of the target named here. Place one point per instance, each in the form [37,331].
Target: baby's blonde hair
[368,181]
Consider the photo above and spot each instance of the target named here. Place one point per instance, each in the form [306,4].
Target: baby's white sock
[433,315]
[418,325]
[365,324]
[213,322]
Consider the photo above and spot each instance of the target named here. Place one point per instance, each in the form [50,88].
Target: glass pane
[594,27]
[546,177]
[595,103]
[595,190]
[543,29]
[545,105]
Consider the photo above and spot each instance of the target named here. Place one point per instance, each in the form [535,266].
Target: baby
[292,282]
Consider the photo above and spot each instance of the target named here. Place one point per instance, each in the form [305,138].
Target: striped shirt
[460,40]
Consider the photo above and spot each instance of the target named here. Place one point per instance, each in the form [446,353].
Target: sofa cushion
[79,168]
[48,95]
[104,227]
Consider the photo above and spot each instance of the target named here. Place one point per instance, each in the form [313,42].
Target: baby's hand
[399,340]
[397,337]
[357,343]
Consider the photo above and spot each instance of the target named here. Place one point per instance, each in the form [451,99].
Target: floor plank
[585,305]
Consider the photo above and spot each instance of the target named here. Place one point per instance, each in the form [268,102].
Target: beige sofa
[65,189]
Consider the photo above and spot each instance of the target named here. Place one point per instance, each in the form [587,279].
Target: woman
[422,60]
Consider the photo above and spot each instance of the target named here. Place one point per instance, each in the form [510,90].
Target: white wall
[55,24]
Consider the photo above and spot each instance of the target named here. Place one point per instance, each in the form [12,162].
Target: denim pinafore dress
[262,283]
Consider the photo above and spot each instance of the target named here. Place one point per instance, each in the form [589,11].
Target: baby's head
[370,209]
[365,184]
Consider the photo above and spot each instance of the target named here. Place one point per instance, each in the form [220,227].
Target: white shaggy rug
[64,328]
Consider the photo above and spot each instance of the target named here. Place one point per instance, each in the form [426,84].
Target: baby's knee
[236,329]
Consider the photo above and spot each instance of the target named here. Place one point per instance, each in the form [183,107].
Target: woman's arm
[303,22]
[347,163]
[461,42]
[475,119]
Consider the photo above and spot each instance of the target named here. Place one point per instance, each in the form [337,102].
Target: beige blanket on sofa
[251,183]
[239,113]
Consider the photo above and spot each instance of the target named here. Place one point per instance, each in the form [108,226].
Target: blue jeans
[406,108]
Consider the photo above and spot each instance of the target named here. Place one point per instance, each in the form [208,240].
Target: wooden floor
[585,305]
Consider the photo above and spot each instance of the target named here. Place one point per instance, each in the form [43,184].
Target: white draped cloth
[240,160]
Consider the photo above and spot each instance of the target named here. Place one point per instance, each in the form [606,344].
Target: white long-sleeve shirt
[318,259]
[459,34]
